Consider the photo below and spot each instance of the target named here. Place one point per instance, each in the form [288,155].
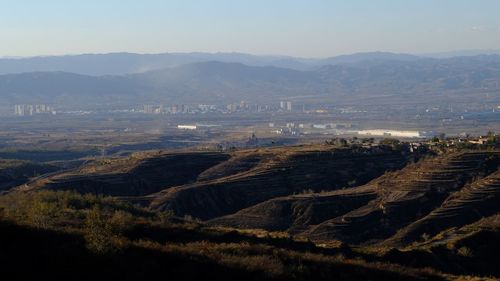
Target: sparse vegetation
[113,230]
[303,239]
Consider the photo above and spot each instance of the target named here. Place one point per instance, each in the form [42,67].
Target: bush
[165,217]
[98,232]
[41,214]
[464,252]
[121,221]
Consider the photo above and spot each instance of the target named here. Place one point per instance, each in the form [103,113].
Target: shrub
[98,232]
[464,252]
[41,214]
[121,221]
[425,237]
[165,216]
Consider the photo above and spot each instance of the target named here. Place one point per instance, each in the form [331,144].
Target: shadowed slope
[287,171]
[16,172]
[298,212]
[407,195]
[135,176]
[473,202]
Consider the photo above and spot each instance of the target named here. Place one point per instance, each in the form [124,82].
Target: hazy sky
[308,28]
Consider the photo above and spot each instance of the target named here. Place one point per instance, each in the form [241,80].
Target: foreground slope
[82,237]
[282,213]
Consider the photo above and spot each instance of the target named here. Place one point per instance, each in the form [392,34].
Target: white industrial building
[187,127]
[391,133]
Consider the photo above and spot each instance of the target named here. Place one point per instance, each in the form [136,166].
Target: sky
[303,28]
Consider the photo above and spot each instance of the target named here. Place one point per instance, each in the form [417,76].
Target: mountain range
[129,63]
[214,78]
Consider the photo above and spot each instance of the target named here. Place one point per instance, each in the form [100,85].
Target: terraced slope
[240,161]
[296,213]
[135,176]
[377,210]
[470,204]
[470,249]
[407,196]
[281,172]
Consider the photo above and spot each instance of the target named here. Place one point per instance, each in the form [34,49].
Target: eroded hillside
[444,191]
[428,209]
[139,174]
[280,172]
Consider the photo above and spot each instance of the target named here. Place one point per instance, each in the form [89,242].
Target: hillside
[378,209]
[168,179]
[62,235]
[477,200]
[266,206]
[407,196]
[283,171]
[66,88]
[139,174]
[17,172]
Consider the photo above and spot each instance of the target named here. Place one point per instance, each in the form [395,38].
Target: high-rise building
[286,105]
[153,109]
[19,110]
[31,109]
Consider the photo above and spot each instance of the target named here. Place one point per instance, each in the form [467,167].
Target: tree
[343,142]
[492,139]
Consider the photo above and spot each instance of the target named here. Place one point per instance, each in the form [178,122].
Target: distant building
[286,105]
[244,105]
[480,140]
[32,109]
[391,133]
[206,107]
[174,109]
[321,126]
[232,107]
[282,105]
[19,110]
[288,131]
[153,109]
[187,127]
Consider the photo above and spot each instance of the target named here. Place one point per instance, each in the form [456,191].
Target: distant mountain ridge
[130,63]
[133,63]
[357,78]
